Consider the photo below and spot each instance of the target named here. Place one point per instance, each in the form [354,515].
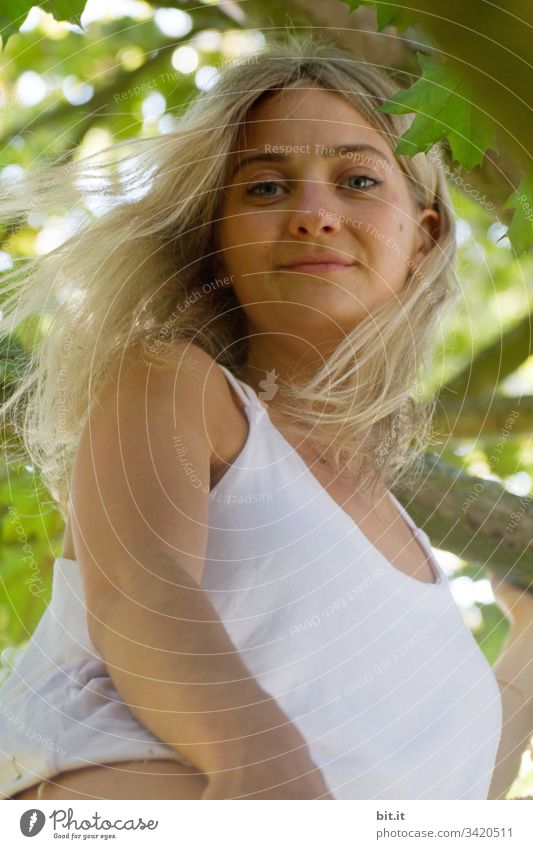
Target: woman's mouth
[317,267]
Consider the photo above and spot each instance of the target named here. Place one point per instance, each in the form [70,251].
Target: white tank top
[377,670]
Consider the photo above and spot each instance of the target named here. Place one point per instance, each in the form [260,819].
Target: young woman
[242,609]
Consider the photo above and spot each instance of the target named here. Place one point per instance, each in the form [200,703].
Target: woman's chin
[317,326]
[320,312]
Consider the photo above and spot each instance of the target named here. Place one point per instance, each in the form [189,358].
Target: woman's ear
[429,231]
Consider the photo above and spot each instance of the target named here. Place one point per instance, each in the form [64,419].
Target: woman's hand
[290,775]
[514,673]
[516,603]
[514,666]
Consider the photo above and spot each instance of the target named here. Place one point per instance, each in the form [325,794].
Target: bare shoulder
[143,420]
[205,392]
[195,380]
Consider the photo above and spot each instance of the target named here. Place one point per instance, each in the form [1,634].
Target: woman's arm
[174,665]
[514,673]
[140,497]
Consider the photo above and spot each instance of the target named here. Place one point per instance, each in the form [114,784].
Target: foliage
[62,10]
[521,200]
[445,106]
[30,536]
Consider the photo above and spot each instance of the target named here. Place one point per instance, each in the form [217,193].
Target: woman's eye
[267,188]
[363,177]
[251,190]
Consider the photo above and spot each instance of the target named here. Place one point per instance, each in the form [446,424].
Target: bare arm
[140,532]
[514,673]
[173,663]
[517,730]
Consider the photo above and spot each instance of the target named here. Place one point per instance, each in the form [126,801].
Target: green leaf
[64,10]
[444,107]
[388,14]
[492,635]
[13,13]
[520,231]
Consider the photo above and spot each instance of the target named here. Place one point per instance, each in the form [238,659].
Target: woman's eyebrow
[321,149]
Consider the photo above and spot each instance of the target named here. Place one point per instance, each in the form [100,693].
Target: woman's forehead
[317,118]
[303,96]
[276,132]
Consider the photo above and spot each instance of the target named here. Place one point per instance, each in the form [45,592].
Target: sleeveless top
[377,670]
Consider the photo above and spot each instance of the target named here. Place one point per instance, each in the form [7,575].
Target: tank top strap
[418,532]
[404,513]
[245,392]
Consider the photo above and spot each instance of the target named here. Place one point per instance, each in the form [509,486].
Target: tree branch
[483,416]
[493,363]
[475,519]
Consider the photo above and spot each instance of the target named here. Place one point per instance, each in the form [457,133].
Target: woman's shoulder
[193,396]
[142,425]
[204,391]
[195,379]
[181,357]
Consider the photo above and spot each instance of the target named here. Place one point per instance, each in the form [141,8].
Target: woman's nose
[311,214]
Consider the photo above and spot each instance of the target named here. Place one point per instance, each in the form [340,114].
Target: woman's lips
[318,267]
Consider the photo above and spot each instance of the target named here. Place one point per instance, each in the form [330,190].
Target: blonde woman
[242,609]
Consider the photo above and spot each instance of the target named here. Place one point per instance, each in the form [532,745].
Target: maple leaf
[388,14]
[520,231]
[65,10]
[13,13]
[444,108]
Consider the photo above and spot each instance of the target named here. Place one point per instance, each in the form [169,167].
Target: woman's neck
[266,362]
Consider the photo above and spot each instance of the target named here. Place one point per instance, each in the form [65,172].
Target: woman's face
[295,190]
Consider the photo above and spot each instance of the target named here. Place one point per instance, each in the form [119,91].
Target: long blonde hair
[148,271]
